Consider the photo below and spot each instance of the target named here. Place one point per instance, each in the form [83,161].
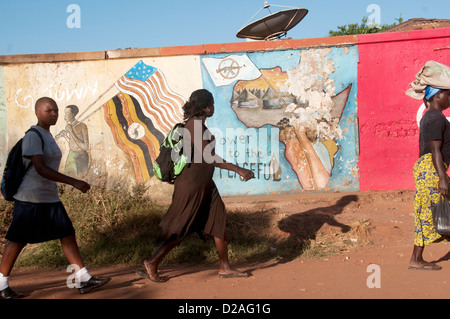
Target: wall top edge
[205,49]
[404,36]
[178,50]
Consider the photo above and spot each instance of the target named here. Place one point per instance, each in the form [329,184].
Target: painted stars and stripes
[141,115]
[149,86]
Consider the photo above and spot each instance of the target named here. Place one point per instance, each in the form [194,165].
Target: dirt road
[355,273]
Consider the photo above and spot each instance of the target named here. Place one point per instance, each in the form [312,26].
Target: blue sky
[40,26]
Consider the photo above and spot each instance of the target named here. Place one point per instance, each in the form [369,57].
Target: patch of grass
[114,227]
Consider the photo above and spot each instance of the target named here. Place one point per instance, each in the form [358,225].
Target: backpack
[171,160]
[15,170]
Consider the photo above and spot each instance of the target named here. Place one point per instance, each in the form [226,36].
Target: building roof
[420,24]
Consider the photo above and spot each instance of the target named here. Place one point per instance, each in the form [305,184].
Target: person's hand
[245,174]
[443,186]
[81,186]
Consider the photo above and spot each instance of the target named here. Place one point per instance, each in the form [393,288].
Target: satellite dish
[274,26]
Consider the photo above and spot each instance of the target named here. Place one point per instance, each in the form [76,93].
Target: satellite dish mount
[274,26]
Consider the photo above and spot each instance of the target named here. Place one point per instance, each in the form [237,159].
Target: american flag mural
[141,115]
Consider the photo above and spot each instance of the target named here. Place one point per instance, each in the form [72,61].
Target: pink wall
[387,117]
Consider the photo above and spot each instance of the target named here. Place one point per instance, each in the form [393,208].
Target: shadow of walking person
[303,227]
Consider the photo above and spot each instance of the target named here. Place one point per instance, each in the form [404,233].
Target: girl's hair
[199,100]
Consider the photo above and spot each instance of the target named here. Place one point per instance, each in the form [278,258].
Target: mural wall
[306,116]
[113,114]
[289,116]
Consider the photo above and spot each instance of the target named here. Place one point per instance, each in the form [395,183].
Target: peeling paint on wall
[291,102]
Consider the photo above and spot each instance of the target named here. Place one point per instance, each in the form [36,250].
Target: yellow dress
[426,193]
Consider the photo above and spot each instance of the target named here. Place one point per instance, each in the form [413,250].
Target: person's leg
[10,254]
[151,264]
[85,280]
[225,268]
[417,261]
[426,179]
[71,251]
[417,256]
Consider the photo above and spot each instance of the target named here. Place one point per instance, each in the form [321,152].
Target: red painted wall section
[388,127]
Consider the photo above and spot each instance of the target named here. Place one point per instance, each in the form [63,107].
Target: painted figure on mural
[432,85]
[77,135]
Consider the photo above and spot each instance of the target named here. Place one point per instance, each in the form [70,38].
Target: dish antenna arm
[266,6]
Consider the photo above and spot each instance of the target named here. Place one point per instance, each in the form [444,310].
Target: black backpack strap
[42,140]
[38,133]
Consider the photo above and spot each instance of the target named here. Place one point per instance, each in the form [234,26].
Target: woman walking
[196,203]
[432,84]
[38,213]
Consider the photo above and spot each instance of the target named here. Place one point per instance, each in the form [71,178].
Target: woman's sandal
[145,275]
[428,266]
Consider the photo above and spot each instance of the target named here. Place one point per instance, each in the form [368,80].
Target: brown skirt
[196,205]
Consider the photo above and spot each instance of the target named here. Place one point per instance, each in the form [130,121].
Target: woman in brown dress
[196,203]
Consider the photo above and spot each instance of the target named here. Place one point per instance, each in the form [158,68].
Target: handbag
[441,216]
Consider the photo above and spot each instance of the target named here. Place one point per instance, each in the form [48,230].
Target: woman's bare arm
[438,163]
[46,172]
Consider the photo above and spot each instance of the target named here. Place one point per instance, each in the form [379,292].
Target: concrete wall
[3,128]
[326,114]
[389,130]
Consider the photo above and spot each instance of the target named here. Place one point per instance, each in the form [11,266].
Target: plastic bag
[441,216]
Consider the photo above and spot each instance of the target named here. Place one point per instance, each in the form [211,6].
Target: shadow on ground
[288,237]
[256,235]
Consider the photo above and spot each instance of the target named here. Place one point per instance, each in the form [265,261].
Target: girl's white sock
[4,282]
[82,275]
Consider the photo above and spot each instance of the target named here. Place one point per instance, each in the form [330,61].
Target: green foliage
[363,28]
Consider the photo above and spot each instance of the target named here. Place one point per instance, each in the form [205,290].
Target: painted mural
[141,115]
[113,115]
[291,118]
[76,134]
[313,115]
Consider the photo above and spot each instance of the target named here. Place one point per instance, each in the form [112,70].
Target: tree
[362,28]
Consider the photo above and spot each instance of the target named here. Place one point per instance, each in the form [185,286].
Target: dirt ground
[345,275]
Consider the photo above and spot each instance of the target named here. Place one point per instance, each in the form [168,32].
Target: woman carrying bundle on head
[432,84]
